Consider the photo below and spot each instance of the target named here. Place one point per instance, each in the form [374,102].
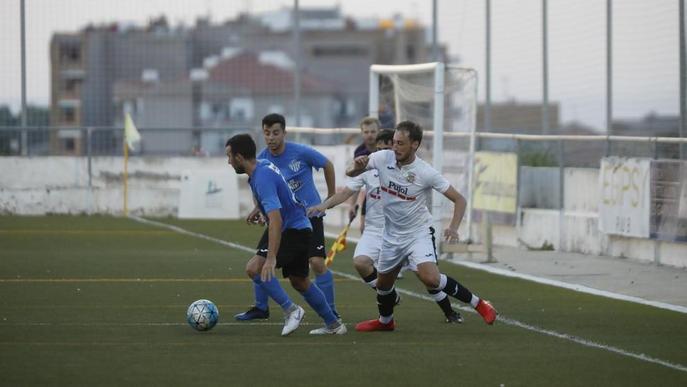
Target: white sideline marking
[501,318]
[577,288]
[560,284]
[142,324]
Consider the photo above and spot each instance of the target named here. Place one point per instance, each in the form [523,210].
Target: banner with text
[496,176]
[625,196]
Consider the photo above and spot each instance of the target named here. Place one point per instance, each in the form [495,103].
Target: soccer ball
[202,315]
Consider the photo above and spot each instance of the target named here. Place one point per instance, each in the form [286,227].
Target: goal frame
[438,68]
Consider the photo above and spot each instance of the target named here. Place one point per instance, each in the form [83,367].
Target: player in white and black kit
[406,181]
[368,249]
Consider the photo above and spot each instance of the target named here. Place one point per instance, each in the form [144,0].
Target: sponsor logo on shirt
[295,185]
[374,194]
[398,191]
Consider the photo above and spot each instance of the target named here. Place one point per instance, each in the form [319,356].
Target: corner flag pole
[131,135]
[126,177]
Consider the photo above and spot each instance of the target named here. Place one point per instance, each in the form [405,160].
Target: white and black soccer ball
[202,315]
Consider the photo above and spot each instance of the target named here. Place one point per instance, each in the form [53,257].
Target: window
[410,53]
[70,85]
[241,109]
[68,115]
[69,144]
[70,53]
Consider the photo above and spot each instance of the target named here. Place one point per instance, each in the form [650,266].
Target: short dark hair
[385,135]
[414,130]
[274,118]
[367,121]
[242,144]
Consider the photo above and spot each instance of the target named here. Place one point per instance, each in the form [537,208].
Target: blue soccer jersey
[271,192]
[296,164]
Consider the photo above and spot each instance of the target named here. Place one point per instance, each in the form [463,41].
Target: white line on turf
[501,319]
[560,284]
[138,324]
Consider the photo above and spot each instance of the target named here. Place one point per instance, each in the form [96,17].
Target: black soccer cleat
[254,313]
[454,318]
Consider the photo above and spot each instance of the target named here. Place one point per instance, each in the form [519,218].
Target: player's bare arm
[273,242]
[358,166]
[330,178]
[355,203]
[459,203]
[332,201]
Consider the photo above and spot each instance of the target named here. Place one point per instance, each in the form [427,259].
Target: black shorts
[292,257]
[317,246]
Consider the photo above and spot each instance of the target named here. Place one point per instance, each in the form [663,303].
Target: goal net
[443,100]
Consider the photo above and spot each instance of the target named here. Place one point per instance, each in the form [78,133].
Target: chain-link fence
[545,67]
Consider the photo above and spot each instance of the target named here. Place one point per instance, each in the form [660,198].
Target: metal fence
[547,67]
[108,141]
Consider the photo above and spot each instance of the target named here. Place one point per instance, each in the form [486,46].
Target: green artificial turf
[102,300]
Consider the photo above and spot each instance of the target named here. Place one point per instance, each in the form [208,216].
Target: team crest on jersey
[410,177]
[295,165]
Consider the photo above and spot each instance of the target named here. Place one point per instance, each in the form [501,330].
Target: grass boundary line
[558,284]
[501,319]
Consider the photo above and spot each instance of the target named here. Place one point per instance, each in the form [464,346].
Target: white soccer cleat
[337,330]
[292,321]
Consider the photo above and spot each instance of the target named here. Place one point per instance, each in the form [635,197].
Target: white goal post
[439,70]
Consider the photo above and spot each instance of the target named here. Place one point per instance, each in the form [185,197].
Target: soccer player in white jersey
[366,255]
[406,182]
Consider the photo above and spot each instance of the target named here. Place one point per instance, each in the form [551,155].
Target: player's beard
[239,169]
[402,158]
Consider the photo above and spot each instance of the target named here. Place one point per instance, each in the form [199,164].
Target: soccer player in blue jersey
[288,237]
[296,163]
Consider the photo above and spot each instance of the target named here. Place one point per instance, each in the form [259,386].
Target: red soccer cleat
[374,325]
[487,311]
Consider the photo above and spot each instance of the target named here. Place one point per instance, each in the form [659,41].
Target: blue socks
[274,290]
[326,284]
[314,297]
[261,296]
[325,287]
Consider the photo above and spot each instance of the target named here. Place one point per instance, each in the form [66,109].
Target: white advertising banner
[209,194]
[625,196]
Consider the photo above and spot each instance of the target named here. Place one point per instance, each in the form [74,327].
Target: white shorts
[370,245]
[412,249]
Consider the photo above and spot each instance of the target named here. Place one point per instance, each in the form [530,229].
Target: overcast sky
[645,46]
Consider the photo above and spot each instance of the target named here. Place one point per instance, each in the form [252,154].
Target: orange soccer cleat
[487,311]
[374,325]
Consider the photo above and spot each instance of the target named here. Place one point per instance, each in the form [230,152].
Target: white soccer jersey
[374,211]
[405,191]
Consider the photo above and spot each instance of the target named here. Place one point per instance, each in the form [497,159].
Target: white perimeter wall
[578,229]
[36,186]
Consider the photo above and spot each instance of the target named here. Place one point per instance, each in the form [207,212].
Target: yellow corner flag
[340,242]
[338,245]
[131,134]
